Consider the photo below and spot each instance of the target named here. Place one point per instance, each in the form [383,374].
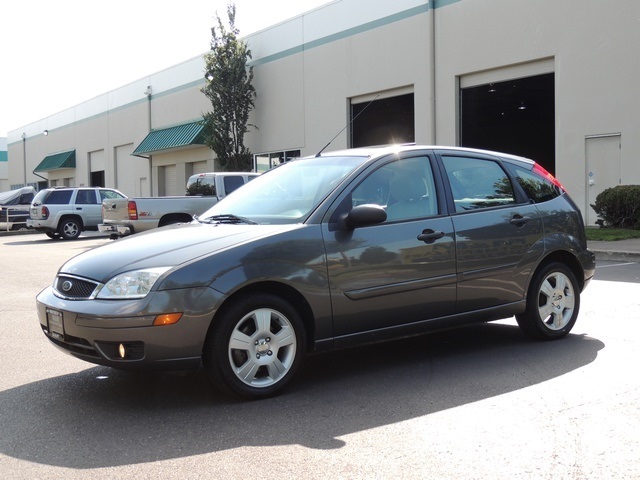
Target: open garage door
[513,116]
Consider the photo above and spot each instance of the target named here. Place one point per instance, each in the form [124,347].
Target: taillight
[133,210]
[540,170]
[45,212]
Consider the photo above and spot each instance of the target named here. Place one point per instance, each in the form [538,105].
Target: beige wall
[307,71]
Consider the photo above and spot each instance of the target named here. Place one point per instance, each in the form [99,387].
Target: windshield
[286,194]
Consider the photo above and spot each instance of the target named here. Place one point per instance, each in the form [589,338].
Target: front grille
[74,288]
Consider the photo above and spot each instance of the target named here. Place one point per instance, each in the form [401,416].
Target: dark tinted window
[537,188]
[232,183]
[58,197]
[478,183]
[86,197]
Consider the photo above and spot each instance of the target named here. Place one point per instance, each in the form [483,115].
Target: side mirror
[364,216]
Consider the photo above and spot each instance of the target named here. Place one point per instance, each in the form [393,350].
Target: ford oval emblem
[67,285]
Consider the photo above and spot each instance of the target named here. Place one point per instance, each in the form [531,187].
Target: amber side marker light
[167,319]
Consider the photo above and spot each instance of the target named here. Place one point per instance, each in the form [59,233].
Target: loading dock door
[604,168]
[512,116]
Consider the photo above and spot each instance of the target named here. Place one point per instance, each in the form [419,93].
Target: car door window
[404,188]
[86,197]
[477,183]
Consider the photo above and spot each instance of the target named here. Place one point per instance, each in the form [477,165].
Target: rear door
[88,206]
[498,231]
[403,270]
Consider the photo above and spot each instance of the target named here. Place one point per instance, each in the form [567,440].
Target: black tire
[52,235]
[255,346]
[69,229]
[553,303]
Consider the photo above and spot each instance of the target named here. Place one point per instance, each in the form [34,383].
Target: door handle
[519,220]
[430,236]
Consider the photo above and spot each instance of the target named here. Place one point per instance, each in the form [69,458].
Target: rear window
[58,197]
[538,188]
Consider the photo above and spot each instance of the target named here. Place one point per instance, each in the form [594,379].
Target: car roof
[379,150]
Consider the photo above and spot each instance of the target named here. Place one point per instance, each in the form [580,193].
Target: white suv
[68,211]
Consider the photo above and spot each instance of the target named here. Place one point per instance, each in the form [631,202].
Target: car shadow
[101,417]
[44,240]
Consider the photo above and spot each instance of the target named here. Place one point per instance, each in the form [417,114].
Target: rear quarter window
[59,197]
[537,188]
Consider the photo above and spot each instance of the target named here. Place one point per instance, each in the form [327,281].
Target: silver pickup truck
[122,217]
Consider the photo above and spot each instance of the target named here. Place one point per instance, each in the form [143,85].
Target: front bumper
[121,334]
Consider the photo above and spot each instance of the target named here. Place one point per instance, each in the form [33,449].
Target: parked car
[122,217]
[330,251]
[14,208]
[65,212]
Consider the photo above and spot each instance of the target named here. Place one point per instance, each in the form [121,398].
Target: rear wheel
[53,235]
[69,229]
[255,347]
[553,303]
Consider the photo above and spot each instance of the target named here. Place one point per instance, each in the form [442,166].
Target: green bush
[619,207]
[204,189]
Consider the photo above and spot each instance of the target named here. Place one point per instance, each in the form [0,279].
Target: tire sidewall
[63,234]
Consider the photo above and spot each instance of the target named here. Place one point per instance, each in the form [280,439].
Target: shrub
[619,207]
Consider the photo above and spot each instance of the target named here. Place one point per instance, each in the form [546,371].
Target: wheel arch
[566,258]
[284,291]
[72,216]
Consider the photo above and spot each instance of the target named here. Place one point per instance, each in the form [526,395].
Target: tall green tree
[228,86]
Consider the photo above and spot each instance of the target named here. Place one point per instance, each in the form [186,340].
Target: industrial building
[553,81]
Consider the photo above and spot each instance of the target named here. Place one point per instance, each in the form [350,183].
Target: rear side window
[477,183]
[59,197]
[535,185]
[86,197]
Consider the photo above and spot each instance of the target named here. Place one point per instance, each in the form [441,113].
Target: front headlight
[134,284]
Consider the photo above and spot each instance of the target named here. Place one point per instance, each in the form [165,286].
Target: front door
[400,271]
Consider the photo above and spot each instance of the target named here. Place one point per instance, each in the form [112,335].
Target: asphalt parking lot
[477,403]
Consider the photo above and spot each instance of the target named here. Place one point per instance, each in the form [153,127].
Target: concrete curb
[613,256]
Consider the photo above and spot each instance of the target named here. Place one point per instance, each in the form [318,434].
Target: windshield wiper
[227,218]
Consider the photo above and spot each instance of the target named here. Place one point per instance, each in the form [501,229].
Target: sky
[55,54]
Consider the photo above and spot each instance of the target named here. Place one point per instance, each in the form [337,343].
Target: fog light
[122,351]
[167,319]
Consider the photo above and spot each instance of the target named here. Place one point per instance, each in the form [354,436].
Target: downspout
[24,157]
[45,179]
[150,157]
[432,62]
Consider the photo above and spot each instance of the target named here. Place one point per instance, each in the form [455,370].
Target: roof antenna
[345,127]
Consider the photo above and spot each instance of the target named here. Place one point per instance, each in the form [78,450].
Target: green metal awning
[172,137]
[56,161]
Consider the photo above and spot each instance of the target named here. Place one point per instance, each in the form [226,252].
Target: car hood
[171,246]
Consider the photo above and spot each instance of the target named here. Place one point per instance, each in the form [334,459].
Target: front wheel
[255,347]
[553,303]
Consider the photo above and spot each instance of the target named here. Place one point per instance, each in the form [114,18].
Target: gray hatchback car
[329,251]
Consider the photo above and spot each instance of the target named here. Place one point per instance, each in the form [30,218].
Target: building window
[265,161]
